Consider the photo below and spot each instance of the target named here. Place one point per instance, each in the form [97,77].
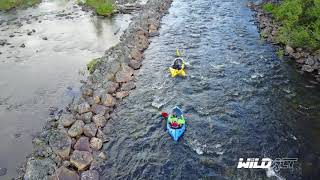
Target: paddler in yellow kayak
[177,69]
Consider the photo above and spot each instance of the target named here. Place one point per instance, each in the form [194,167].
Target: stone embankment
[307,61]
[70,145]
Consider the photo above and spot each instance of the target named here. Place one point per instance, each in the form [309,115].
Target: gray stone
[100,109]
[83,108]
[310,61]
[3,171]
[86,117]
[76,129]
[67,120]
[64,173]
[83,144]
[128,86]
[99,120]
[125,74]
[39,169]
[135,64]
[307,68]
[289,50]
[60,143]
[122,94]
[90,175]
[81,159]
[90,130]
[108,100]
[95,143]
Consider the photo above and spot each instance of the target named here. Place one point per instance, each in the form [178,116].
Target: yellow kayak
[176,72]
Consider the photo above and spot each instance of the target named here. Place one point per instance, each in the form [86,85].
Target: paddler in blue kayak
[174,121]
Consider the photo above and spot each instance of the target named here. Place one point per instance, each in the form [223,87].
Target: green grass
[91,66]
[300,22]
[9,4]
[102,7]
[280,53]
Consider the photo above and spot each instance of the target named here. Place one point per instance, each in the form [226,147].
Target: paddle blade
[164,114]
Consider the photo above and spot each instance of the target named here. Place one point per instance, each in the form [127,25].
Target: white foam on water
[271,173]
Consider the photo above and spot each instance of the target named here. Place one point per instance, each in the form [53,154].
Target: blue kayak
[176,133]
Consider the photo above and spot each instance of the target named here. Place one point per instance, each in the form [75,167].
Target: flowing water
[44,73]
[240,101]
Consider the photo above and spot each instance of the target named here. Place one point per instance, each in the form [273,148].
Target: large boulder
[81,159]
[39,169]
[64,173]
[76,129]
[90,130]
[99,120]
[82,144]
[90,175]
[60,143]
[67,120]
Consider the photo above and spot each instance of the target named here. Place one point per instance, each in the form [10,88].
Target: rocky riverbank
[307,62]
[70,144]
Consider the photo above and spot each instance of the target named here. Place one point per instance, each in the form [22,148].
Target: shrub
[9,4]
[102,7]
[91,66]
[300,21]
[268,7]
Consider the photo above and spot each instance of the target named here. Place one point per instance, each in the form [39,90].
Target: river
[240,99]
[45,72]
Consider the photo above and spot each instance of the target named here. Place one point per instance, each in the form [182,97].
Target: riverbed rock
[289,50]
[96,99]
[108,100]
[122,94]
[102,136]
[41,148]
[95,143]
[86,91]
[99,120]
[134,64]
[83,108]
[60,143]
[67,120]
[307,68]
[310,61]
[76,129]
[83,144]
[3,171]
[81,159]
[125,74]
[86,117]
[90,175]
[64,173]
[136,54]
[90,130]
[128,86]
[39,169]
[99,109]
[112,87]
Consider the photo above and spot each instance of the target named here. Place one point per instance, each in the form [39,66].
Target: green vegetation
[91,66]
[280,53]
[300,20]
[102,7]
[9,4]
